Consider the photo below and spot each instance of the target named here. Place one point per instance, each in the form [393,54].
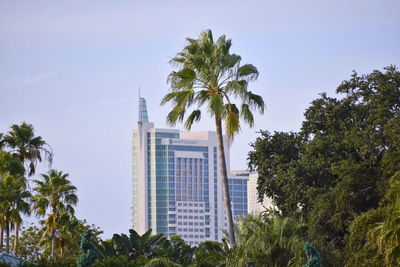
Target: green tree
[134,246]
[9,166]
[274,241]
[29,148]
[29,244]
[338,166]
[13,202]
[211,253]
[177,250]
[57,195]
[209,75]
[386,233]
[162,262]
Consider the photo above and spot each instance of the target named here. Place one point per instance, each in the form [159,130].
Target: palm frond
[176,114]
[255,101]
[216,104]
[232,124]
[247,115]
[248,72]
[195,116]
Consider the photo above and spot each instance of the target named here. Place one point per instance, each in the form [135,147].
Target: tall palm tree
[57,194]
[29,148]
[209,75]
[13,202]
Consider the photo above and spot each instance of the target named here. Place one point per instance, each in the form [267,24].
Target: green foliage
[117,261]
[89,254]
[134,246]
[269,241]
[162,262]
[338,166]
[56,194]
[208,74]
[386,234]
[13,203]
[272,240]
[29,244]
[69,262]
[314,259]
[210,253]
[26,146]
[10,163]
[177,250]
[361,251]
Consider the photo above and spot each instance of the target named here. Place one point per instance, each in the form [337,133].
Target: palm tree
[136,246]
[12,187]
[209,74]
[162,262]
[13,202]
[211,253]
[386,234]
[29,148]
[273,241]
[70,229]
[57,194]
[177,250]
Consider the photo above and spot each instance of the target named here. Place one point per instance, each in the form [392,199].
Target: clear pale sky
[73,68]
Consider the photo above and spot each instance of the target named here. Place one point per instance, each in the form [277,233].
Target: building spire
[143,117]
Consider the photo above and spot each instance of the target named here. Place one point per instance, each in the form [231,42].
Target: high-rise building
[176,182]
[254,206]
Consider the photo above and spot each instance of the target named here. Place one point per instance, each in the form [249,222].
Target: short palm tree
[13,196]
[29,148]
[70,228]
[135,245]
[209,75]
[211,253]
[387,233]
[271,241]
[57,194]
[13,202]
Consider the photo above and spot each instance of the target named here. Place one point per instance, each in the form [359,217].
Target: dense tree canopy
[338,166]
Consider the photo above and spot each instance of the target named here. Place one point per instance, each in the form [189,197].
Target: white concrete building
[253,205]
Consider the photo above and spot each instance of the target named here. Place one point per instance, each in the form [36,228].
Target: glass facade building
[176,183]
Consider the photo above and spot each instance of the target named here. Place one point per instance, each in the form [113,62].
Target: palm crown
[57,193]
[27,146]
[209,74]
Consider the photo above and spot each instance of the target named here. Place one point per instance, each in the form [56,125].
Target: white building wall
[252,196]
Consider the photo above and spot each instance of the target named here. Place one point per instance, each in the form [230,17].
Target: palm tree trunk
[62,245]
[7,236]
[16,240]
[224,182]
[53,244]
[1,237]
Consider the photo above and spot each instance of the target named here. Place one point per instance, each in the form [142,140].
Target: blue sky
[73,68]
